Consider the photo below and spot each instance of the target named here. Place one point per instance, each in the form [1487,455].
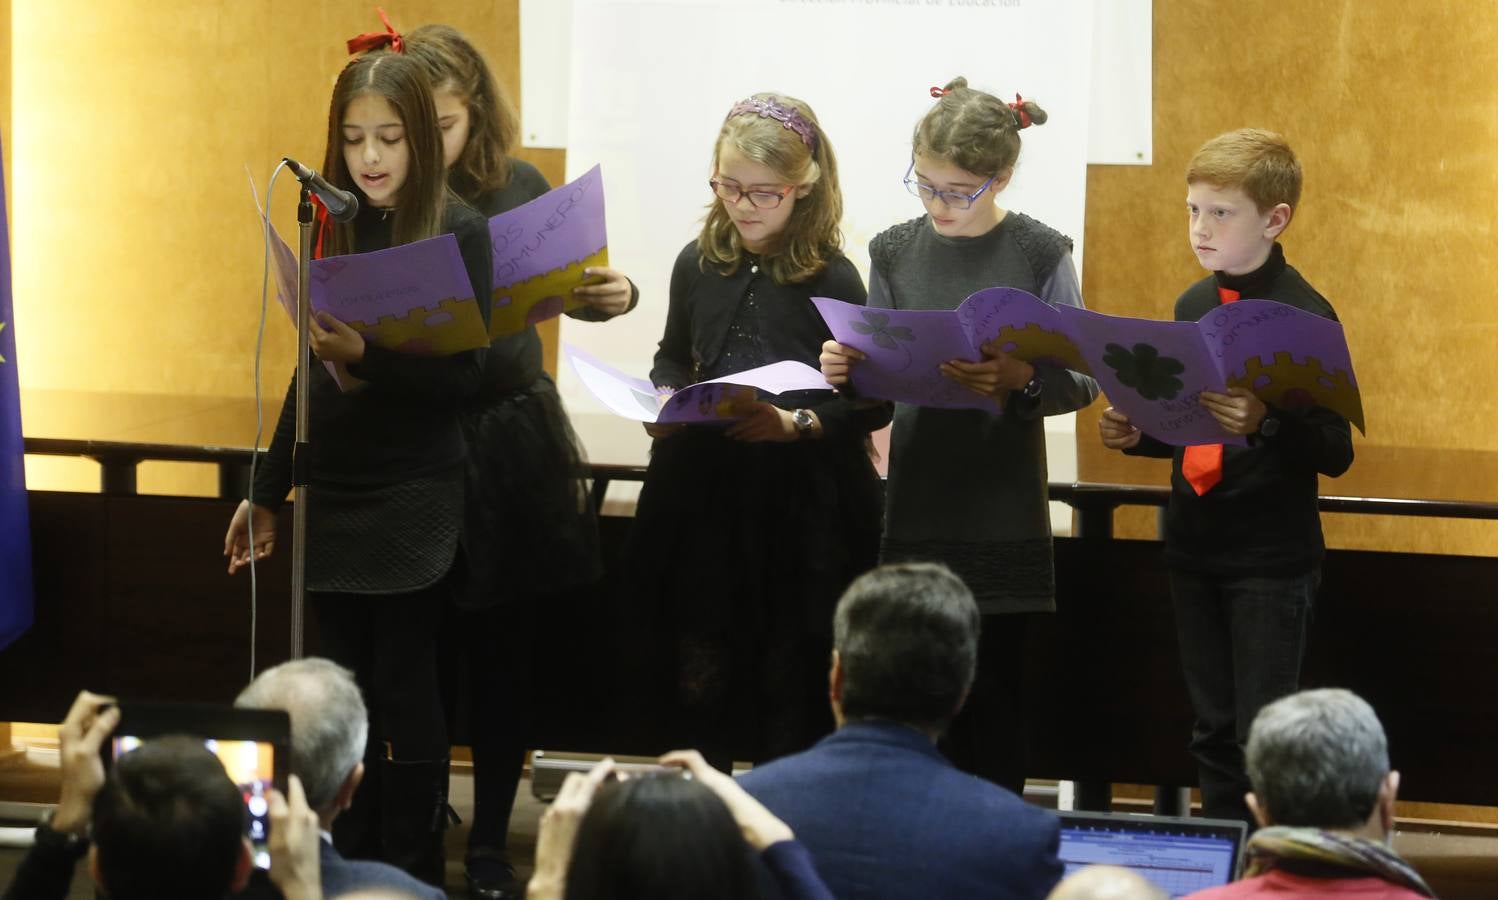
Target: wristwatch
[1269,425]
[804,422]
[1033,387]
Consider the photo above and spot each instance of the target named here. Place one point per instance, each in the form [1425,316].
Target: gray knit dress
[968,487]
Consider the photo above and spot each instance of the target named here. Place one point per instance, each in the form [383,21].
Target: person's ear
[345,797]
[1001,180]
[1260,814]
[243,866]
[835,679]
[1388,794]
[1278,221]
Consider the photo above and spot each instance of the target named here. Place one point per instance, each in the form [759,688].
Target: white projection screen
[651,81]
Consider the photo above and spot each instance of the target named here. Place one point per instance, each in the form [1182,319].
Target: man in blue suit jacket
[884,815]
[329,725]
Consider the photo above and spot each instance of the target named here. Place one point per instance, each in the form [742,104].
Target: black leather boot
[413,817]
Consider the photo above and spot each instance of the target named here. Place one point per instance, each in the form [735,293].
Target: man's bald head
[1106,883]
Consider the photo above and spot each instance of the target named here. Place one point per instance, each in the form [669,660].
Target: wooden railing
[1094,503]
[132,599]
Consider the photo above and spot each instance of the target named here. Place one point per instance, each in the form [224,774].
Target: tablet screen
[251,744]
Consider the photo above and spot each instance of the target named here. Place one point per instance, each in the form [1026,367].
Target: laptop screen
[1177,855]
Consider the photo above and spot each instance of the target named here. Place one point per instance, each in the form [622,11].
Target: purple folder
[1152,371]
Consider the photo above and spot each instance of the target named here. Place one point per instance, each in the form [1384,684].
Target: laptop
[1178,855]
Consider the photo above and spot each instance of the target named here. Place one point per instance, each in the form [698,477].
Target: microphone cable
[270,193]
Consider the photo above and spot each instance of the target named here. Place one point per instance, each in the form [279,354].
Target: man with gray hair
[1324,795]
[883,814]
[329,726]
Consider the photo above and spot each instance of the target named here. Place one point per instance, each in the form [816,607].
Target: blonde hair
[812,236]
[973,129]
[1258,162]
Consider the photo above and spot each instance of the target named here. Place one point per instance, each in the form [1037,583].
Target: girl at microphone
[385,475]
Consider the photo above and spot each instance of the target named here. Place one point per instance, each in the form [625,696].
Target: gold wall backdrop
[1393,109]
[137,260]
[137,248]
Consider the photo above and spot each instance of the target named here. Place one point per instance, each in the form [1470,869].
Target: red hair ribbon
[1019,111]
[939,92]
[372,40]
[324,224]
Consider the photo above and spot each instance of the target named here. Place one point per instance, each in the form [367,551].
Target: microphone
[342,205]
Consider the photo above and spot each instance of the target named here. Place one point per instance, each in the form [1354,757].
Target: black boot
[413,817]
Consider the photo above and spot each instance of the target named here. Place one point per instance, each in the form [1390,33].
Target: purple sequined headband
[785,115]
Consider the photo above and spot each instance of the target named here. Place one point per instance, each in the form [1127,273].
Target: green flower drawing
[876,324]
[1145,370]
[886,336]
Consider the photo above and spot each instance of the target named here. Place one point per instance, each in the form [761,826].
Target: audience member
[1106,883]
[882,812]
[329,725]
[1324,795]
[663,837]
[166,822]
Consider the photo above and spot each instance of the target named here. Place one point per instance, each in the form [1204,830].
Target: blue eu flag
[15,534]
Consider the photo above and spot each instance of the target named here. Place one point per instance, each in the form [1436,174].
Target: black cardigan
[1261,519]
[704,302]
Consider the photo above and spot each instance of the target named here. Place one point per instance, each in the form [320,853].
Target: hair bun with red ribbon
[1021,115]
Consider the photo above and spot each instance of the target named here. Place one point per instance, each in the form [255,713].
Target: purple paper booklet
[541,249]
[415,298]
[719,400]
[1153,371]
[905,347]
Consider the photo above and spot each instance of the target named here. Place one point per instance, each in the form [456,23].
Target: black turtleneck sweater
[1261,519]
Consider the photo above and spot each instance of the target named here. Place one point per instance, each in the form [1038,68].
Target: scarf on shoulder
[1269,846]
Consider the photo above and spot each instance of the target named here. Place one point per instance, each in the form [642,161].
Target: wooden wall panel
[138,260]
[138,264]
[1393,108]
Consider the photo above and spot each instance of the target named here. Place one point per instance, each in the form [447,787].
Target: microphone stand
[301,460]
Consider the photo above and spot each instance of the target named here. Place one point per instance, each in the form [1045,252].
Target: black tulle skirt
[737,559]
[735,536]
[528,526]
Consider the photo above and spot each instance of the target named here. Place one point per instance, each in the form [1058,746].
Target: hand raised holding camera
[760,826]
[90,721]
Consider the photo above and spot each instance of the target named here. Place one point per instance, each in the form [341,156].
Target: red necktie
[1202,465]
